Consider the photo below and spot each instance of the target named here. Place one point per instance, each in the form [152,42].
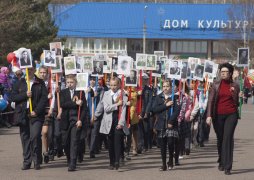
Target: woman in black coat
[166,124]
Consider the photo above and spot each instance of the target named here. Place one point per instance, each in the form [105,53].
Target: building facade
[199,30]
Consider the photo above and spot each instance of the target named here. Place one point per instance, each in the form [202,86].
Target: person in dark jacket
[71,122]
[166,124]
[30,123]
[222,109]
[144,136]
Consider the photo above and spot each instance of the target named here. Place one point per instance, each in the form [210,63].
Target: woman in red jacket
[223,110]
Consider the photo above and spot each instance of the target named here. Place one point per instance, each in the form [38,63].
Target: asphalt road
[201,164]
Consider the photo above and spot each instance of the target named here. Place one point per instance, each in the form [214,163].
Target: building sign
[205,24]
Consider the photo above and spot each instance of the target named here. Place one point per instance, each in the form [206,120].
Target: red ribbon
[139,102]
[79,108]
[121,98]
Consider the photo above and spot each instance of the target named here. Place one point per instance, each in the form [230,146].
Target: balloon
[42,57]
[11,57]
[3,104]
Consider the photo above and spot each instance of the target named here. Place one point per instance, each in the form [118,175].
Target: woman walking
[223,111]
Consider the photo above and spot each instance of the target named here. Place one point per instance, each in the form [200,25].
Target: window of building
[221,48]
[91,45]
[188,46]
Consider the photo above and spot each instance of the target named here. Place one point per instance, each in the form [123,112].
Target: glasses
[224,71]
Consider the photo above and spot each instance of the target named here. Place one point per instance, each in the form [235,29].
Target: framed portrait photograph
[87,64]
[141,61]
[101,57]
[185,71]
[49,58]
[70,65]
[215,70]
[192,63]
[57,47]
[151,62]
[175,69]
[199,72]
[97,67]
[58,68]
[82,81]
[79,63]
[243,57]
[132,79]
[124,65]
[157,72]
[114,64]
[25,58]
[121,53]
[107,66]
[158,53]
[209,66]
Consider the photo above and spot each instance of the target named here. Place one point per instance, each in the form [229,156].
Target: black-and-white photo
[114,64]
[243,57]
[209,66]
[98,67]
[151,62]
[82,81]
[175,69]
[157,72]
[25,58]
[70,65]
[215,70]
[158,53]
[88,64]
[49,58]
[199,72]
[57,47]
[100,57]
[141,61]
[192,63]
[58,68]
[107,66]
[79,63]
[124,65]
[131,80]
[121,53]
[185,70]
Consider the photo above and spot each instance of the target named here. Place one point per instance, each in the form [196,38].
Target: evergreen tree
[25,23]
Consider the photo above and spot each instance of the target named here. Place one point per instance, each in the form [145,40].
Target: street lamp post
[144,31]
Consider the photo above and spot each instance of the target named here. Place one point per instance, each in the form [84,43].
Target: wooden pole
[28,88]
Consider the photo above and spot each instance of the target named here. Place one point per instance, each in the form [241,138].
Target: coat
[39,99]
[213,97]
[108,108]
[68,104]
[161,110]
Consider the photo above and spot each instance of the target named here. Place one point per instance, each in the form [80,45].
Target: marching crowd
[174,116]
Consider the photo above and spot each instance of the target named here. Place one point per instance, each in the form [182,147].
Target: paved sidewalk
[201,164]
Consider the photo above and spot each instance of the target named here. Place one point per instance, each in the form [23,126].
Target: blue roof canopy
[126,20]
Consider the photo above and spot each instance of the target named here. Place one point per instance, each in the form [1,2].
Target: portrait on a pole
[141,61]
[243,57]
[57,47]
[131,79]
[58,68]
[82,81]
[151,62]
[124,65]
[25,58]
[70,65]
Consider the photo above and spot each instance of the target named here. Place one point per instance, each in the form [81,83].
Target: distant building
[197,30]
